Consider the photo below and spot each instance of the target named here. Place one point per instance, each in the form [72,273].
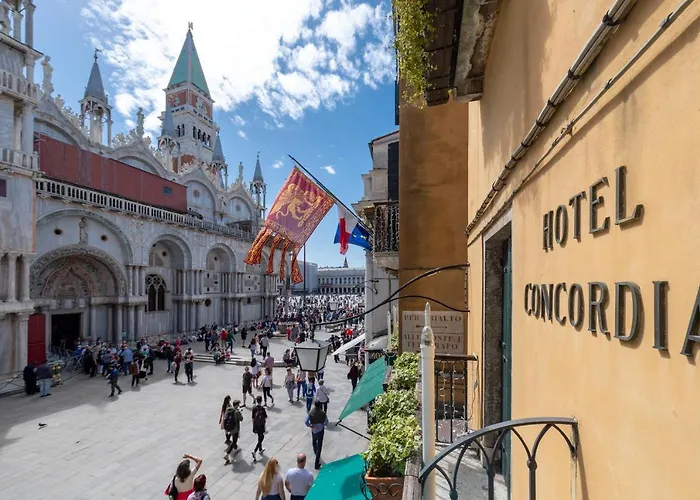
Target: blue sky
[310,78]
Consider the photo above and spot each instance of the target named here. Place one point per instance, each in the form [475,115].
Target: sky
[310,78]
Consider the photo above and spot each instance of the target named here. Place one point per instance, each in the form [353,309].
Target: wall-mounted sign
[251,283]
[448,330]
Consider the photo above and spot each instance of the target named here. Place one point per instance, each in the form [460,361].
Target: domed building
[117,237]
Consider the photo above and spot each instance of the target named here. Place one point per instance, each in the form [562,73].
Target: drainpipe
[607,27]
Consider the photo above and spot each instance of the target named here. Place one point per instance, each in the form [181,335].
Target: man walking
[248,385]
[259,422]
[298,480]
[317,421]
[177,361]
[114,381]
[232,425]
[43,374]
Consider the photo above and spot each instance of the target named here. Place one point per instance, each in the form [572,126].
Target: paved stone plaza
[128,447]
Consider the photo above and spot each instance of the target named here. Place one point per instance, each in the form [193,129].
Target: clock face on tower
[174,101]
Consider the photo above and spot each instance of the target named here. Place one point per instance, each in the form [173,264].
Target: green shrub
[393,442]
[408,360]
[393,404]
[403,380]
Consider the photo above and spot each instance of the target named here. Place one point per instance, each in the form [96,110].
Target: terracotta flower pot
[385,488]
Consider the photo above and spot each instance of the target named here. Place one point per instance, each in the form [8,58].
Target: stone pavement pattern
[128,447]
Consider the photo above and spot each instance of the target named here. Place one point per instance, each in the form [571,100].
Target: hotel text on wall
[586,305]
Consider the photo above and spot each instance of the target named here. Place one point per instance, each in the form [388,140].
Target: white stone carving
[47,85]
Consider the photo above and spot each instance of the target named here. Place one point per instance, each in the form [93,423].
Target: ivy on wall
[414,33]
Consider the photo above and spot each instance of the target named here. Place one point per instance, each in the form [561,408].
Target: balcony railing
[20,159]
[18,86]
[386,228]
[63,191]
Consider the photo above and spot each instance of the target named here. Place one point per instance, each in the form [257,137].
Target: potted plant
[393,404]
[393,442]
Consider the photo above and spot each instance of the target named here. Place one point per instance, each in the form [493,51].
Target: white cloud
[311,54]
[329,169]
[278,164]
[242,135]
[238,120]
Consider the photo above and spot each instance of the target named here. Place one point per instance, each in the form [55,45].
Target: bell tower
[189,101]
[259,189]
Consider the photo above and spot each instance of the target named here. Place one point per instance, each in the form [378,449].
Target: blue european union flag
[359,237]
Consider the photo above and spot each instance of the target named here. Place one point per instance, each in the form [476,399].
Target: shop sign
[448,331]
[588,305]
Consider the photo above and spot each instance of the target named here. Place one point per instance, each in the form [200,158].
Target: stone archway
[76,271]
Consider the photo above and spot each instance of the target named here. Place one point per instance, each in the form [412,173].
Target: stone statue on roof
[240,173]
[139,122]
[47,85]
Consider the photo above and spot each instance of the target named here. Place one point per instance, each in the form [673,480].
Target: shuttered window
[393,172]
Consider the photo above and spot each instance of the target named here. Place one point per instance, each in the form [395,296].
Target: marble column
[29,24]
[28,126]
[110,324]
[17,25]
[200,287]
[24,288]
[118,322]
[142,280]
[191,308]
[240,310]
[129,322]
[140,328]
[181,312]
[93,323]
[12,277]
[22,342]
[189,278]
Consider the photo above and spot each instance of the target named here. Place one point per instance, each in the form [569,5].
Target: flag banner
[299,208]
[359,237]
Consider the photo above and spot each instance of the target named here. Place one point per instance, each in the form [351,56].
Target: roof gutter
[608,26]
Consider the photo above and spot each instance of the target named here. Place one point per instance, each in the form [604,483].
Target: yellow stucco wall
[638,407]
[433,203]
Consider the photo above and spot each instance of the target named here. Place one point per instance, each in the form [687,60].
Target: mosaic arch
[76,271]
[221,258]
[178,247]
[123,240]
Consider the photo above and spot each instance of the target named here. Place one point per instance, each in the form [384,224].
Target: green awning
[368,388]
[339,480]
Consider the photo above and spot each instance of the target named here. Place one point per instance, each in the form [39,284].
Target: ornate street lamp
[312,355]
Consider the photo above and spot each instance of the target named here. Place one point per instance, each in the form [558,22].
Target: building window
[155,285]
[167,191]
[3,188]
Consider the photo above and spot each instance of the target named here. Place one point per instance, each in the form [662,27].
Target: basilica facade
[120,236]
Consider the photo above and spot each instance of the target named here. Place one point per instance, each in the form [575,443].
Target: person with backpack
[224,407]
[317,421]
[232,426]
[259,422]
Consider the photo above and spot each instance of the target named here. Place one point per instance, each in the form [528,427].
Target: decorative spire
[345,264]
[168,126]
[188,68]
[257,175]
[218,156]
[95,88]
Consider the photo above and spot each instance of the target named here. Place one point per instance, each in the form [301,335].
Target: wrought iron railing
[453,405]
[491,455]
[386,228]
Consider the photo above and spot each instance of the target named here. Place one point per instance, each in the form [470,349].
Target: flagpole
[304,273]
[330,193]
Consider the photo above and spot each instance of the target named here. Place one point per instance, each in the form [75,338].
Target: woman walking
[259,422]
[270,483]
[200,489]
[225,406]
[323,395]
[255,369]
[267,386]
[289,383]
[182,484]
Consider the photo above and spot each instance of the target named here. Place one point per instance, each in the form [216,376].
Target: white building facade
[79,260]
[379,205]
[310,284]
[341,280]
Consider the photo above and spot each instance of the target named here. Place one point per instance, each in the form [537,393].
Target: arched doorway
[78,288]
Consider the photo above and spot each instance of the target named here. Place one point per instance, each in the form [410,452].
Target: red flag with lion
[299,208]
